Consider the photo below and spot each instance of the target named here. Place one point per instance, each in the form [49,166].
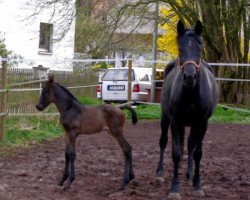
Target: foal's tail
[132,110]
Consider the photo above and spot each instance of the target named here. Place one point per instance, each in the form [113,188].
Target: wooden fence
[3,108]
[22,88]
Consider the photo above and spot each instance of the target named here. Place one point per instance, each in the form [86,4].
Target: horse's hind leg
[163,143]
[191,146]
[127,151]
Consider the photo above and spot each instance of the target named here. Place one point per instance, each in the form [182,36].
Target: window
[144,78]
[117,75]
[45,38]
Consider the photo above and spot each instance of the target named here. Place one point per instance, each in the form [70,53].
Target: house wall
[22,35]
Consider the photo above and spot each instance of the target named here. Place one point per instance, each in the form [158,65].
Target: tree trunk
[246,70]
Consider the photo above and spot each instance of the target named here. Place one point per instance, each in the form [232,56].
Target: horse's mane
[209,67]
[169,67]
[67,91]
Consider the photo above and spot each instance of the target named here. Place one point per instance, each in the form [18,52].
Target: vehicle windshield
[117,75]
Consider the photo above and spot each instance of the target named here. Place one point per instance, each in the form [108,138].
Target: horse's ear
[180,28]
[51,78]
[198,28]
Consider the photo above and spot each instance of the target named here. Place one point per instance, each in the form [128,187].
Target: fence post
[3,108]
[129,77]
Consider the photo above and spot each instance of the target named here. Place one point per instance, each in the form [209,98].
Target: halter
[189,62]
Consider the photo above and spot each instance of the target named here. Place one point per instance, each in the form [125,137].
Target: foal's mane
[67,91]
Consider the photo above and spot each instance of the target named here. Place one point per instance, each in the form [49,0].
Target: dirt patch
[33,173]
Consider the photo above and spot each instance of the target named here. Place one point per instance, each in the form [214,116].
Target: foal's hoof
[60,183]
[67,185]
[124,185]
[174,195]
[198,193]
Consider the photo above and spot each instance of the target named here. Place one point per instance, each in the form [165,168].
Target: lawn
[23,131]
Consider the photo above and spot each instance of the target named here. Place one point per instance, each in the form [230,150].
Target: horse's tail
[132,110]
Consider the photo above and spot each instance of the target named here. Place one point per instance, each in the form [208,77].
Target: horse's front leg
[177,136]
[162,143]
[200,132]
[70,154]
[66,169]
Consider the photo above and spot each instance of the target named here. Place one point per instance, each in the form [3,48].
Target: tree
[222,36]
[100,28]
[167,42]
[3,50]
[225,33]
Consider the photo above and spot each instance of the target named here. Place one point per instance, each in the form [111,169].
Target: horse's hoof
[190,182]
[122,187]
[159,179]
[174,195]
[160,173]
[189,176]
[198,193]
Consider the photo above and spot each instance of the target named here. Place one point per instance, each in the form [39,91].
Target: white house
[37,39]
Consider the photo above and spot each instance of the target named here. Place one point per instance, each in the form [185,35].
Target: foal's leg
[177,135]
[70,155]
[163,143]
[66,169]
[127,151]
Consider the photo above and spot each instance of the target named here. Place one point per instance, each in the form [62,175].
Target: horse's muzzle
[189,79]
[39,107]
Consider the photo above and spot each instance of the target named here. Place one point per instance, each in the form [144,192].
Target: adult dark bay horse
[81,119]
[189,97]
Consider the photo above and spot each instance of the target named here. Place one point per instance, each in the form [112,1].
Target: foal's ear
[51,78]
[198,28]
[180,28]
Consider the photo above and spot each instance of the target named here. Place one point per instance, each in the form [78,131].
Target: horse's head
[47,96]
[189,45]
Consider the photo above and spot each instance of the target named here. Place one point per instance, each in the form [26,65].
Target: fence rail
[24,87]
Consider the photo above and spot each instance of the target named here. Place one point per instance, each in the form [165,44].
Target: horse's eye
[45,89]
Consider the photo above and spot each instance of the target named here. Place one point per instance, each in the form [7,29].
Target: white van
[114,84]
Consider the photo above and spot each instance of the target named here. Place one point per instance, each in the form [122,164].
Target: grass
[23,131]
[148,111]
[223,115]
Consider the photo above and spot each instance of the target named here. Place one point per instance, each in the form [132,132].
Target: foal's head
[189,45]
[47,95]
